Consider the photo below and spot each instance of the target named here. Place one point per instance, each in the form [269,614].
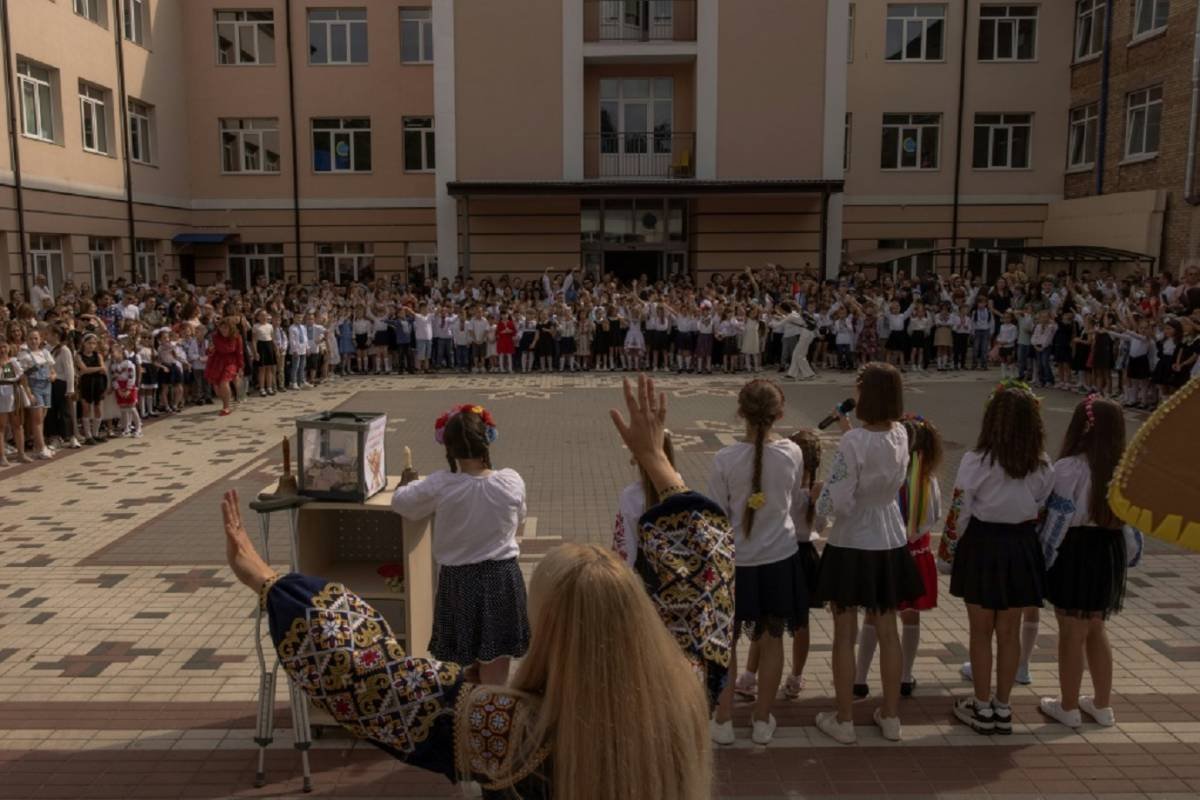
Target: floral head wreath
[439,427]
[911,417]
[1013,383]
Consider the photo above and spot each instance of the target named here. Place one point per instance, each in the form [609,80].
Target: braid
[760,437]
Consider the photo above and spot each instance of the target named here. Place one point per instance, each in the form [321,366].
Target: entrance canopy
[202,238]
[1067,254]
[641,188]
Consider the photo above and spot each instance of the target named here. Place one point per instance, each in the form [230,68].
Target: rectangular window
[914,266]
[989,258]
[915,31]
[416,36]
[93,111]
[47,256]
[846,143]
[850,37]
[146,251]
[343,262]
[1143,123]
[418,144]
[135,21]
[910,141]
[251,263]
[342,144]
[1089,28]
[1150,16]
[1002,141]
[245,37]
[102,261]
[1008,33]
[37,101]
[250,145]
[337,36]
[90,9]
[1085,122]
[140,138]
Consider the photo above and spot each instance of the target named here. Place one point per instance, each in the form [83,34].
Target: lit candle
[407,457]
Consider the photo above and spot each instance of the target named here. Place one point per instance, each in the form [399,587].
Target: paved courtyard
[127,667]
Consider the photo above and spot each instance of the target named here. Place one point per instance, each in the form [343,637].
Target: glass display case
[341,455]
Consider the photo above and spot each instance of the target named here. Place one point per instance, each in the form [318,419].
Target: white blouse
[1069,506]
[804,531]
[983,490]
[630,506]
[477,516]
[868,470]
[773,536]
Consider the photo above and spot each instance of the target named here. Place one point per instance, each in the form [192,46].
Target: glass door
[635,127]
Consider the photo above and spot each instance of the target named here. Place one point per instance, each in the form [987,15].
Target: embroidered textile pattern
[486,740]
[1059,511]
[837,474]
[951,533]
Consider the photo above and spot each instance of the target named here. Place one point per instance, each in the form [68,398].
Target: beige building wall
[521,235]
[733,232]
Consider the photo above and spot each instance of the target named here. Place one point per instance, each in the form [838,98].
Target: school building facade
[230,139]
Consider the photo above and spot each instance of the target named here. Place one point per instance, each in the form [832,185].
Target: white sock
[910,639]
[867,637]
[1029,634]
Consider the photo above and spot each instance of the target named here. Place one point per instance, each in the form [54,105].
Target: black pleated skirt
[999,566]
[873,580]
[479,613]
[771,598]
[1088,575]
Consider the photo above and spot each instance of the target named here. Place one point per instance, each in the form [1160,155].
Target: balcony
[639,20]
[639,154]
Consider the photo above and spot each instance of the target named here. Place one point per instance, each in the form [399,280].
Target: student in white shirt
[866,562]
[758,483]
[264,352]
[280,337]
[1087,552]
[298,349]
[1007,341]
[480,616]
[991,539]
[631,504]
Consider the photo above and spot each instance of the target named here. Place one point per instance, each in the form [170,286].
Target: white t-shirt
[868,471]
[422,327]
[773,537]
[477,515]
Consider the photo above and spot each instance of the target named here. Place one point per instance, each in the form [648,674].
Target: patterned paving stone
[96,660]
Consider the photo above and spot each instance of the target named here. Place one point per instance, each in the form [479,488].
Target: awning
[202,238]
[642,188]
[871,258]
[1083,253]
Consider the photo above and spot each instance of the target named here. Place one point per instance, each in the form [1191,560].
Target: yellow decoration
[757,501]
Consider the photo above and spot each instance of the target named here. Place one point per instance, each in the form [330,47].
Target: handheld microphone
[844,408]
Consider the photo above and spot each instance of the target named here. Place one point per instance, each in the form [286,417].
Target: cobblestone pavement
[126,656]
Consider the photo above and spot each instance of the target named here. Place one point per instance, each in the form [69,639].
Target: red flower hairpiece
[439,427]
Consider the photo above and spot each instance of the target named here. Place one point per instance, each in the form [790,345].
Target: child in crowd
[1043,340]
[298,352]
[12,405]
[264,352]
[943,336]
[919,326]
[1006,340]
[125,388]
[64,403]
[93,382]
[148,389]
[961,329]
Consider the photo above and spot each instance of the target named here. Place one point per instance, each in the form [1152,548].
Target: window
[245,37]
[418,144]
[1002,141]
[850,37]
[95,118]
[420,261]
[135,21]
[342,145]
[910,141]
[1081,149]
[250,145]
[102,261]
[146,252]
[343,262]
[337,36]
[846,143]
[1008,33]
[139,132]
[1089,28]
[1143,123]
[910,266]
[1150,16]
[915,31]
[248,263]
[47,257]
[90,9]
[37,104]
[988,259]
[416,36]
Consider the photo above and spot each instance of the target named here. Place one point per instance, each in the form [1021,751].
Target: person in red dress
[225,361]
[506,340]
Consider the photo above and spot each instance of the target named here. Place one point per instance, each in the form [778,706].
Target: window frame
[92,105]
[89,6]
[145,259]
[1095,10]
[1011,127]
[1016,20]
[915,266]
[47,249]
[238,25]
[925,26]
[922,128]
[352,132]
[258,132]
[847,140]
[427,146]
[328,25]
[422,24]
[142,21]
[270,254]
[38,83]
[361,256]
[1154,29]
[1146,107]
[850,34]
[1088,117]
[105,257]
[141,121]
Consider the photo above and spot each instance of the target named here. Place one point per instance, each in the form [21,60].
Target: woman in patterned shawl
[609,703]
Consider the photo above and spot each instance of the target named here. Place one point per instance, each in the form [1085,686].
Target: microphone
[844,408]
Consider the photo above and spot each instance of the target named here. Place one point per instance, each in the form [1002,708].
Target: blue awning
[202,238]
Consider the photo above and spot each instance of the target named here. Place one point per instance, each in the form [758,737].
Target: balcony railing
[639,20]
[639,154]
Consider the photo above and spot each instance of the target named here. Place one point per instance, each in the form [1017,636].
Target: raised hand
[643,433]
[243,559]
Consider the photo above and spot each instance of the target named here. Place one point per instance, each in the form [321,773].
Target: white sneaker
[1052,708]
[306,385]
[74,444]
[965,669]
[831,726]
[1023,676]
[888,726]
[137,434]
[763,731]
[1103,716]
[45,454]
[793,686]
[721,732]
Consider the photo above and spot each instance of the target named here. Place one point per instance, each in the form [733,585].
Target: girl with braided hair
[479,616]
[759,483]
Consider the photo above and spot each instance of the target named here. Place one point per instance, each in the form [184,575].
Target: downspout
[1189,181]
[287,6]
[958,143]
[14,145]
[118,24]
[1106,63]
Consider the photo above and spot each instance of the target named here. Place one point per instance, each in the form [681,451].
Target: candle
[407,457]
[287,456]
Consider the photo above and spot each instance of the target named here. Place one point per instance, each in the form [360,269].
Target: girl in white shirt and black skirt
[479,612]
[991,539]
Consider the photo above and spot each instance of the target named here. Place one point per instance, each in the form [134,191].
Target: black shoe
[861,690]
[906,687]
[980,718]
[1003,717]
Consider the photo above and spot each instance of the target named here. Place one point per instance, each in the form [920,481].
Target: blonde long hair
[620,710]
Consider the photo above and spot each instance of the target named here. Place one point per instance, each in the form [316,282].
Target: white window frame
[906,21]
[357,259]
[1008,126]
[992,255]
[102,261]
[922,128]
[1083,125]
[420,18]
[847,139]
[850,36]
[141,132]
[911,266]
[136,18]
[41,87]
[426,262]
[342,133]
[1158,9]
[1007,26]
[46,257]
[91,10]
[255,259]
[1146,105]
[254,130]
[146,260]
[93,108]
[1089,14]
[426,135]
[243,26]
[347,24]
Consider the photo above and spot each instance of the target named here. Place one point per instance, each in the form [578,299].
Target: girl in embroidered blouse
[563,728]
[1087,552]
[631,504]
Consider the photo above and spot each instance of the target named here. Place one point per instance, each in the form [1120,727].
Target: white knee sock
[910,639]
[867,637]
[1029,634]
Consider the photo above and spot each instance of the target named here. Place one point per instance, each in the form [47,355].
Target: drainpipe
[1106,63]
[122,103]
[958,143]
[1189,181]
[14,145]
[287,6]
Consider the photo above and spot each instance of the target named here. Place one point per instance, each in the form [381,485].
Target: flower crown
[439,427]
[1013,383]
[1089,408]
